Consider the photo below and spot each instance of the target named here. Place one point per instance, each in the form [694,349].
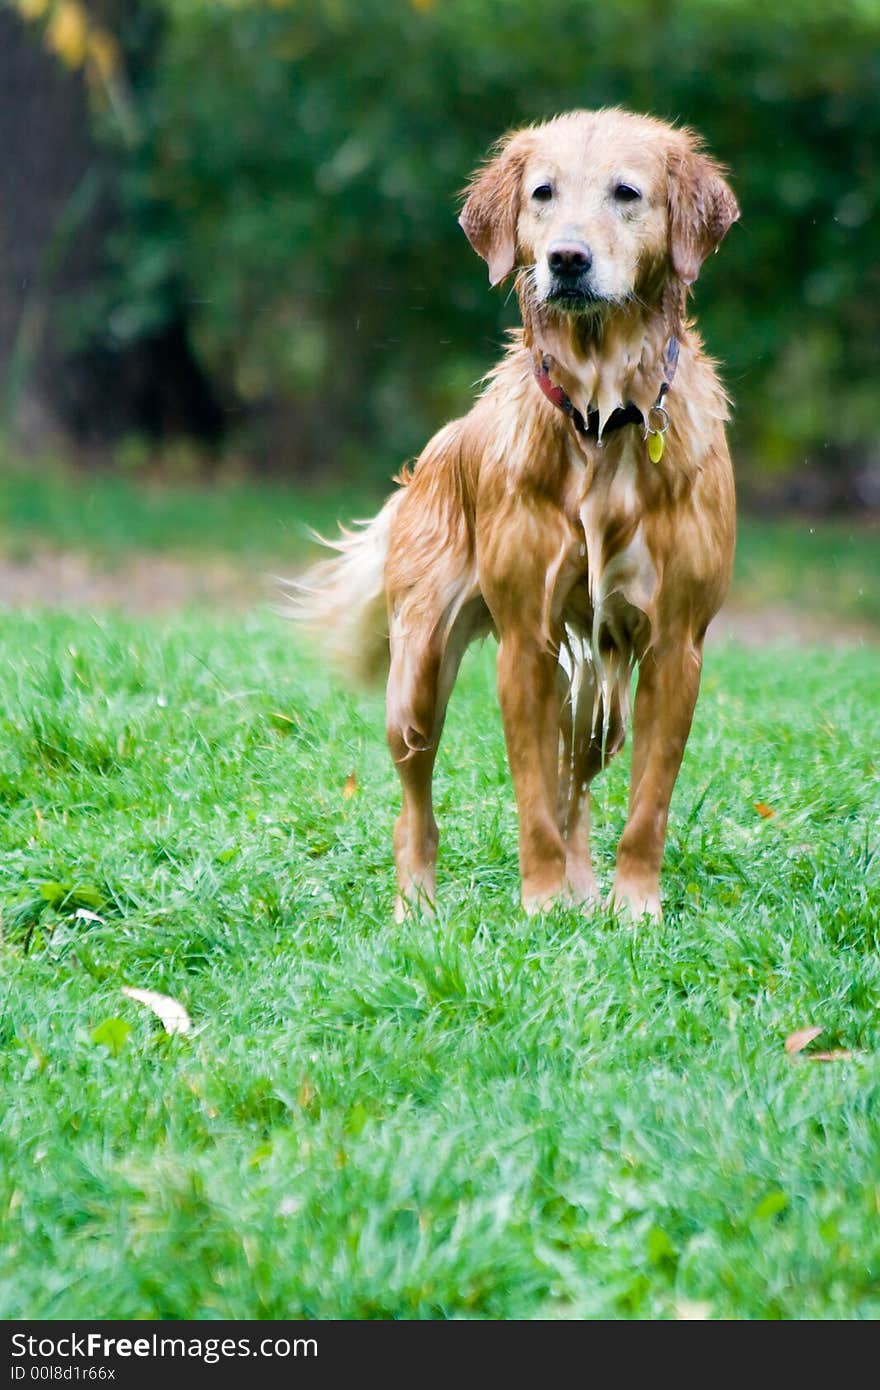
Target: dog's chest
[612,582]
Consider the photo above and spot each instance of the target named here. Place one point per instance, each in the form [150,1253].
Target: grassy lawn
[479,1116]
[829,568]
[109,515]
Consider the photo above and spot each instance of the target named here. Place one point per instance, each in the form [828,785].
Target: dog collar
[628,414]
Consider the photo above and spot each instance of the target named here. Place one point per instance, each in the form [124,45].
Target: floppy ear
[702,208]
[491,208]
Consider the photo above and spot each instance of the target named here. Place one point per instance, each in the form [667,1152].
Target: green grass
[830,569]
[109,514]
[480,1116]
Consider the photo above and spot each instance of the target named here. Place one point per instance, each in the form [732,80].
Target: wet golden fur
[585,561]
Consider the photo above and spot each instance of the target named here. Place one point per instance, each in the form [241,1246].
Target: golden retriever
[583,510]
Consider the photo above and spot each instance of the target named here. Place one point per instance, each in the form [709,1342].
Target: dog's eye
[543,193]
[625,193]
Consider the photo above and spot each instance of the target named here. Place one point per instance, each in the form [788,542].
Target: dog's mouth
[574,299]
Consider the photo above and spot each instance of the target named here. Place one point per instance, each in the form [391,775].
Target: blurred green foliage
[295,177]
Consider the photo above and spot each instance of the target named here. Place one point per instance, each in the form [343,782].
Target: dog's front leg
[529,698]
[521,557]
[592,732]
[577,697]
[669,680]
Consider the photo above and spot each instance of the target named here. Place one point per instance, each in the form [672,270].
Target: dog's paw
[418,901]
[534,905]
[634,903]
[536,899]
[582,888]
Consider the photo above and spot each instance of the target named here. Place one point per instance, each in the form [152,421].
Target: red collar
[628,414]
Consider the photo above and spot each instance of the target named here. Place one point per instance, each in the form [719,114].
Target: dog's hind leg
[575,710]
[590,736]
[420,682]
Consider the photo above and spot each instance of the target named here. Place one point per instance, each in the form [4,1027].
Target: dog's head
[600,207]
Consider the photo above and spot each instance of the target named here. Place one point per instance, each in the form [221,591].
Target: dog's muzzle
[570,263]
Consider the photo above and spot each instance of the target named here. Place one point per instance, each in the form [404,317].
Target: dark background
[235,223]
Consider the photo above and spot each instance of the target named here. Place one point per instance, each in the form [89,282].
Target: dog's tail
[341,601]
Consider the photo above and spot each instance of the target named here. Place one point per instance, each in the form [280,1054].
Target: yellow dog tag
[656,444]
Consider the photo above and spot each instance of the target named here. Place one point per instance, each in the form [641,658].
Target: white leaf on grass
[85,916]
[174,1016]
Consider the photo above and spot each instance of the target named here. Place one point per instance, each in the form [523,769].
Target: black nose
[568,259]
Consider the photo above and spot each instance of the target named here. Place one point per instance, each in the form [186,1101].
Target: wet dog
[583,510]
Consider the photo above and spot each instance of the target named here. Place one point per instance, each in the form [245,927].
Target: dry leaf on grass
[796,1042]
[350,787]
[764,810]
[837,1054]
[173,1016]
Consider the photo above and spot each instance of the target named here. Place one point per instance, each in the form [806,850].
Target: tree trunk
[57,205]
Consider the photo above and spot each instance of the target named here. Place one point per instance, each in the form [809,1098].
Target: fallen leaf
[350,787]
[764,810]
[837,1054]
[173,1016]
[83,914]
[796,1042]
